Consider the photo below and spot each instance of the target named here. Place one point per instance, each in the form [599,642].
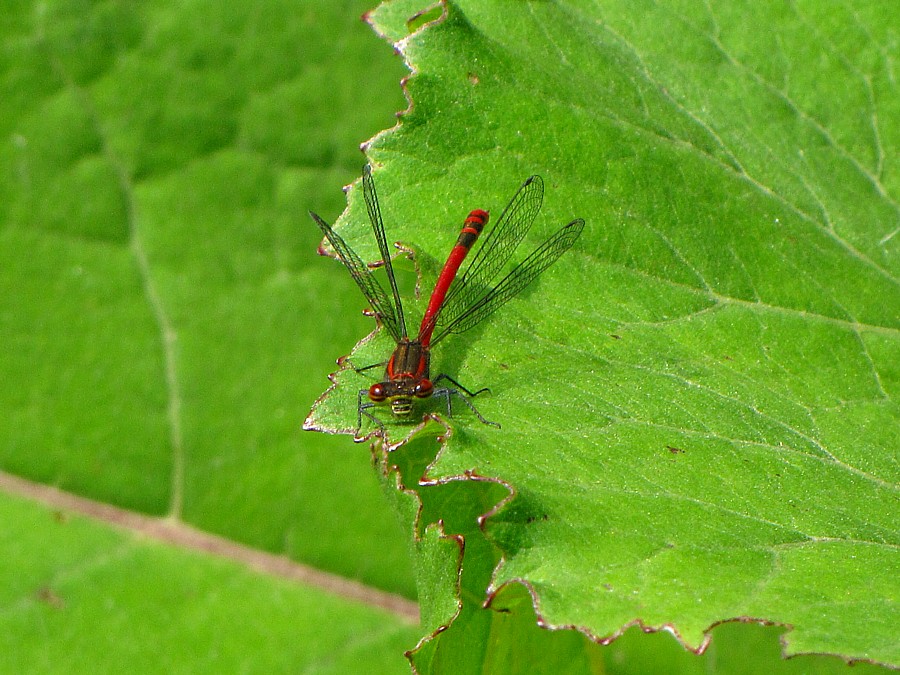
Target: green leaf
[699,402]
[77,594]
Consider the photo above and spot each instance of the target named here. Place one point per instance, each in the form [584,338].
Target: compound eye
[376,392]
[424,389]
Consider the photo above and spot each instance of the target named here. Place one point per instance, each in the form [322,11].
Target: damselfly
[458,302]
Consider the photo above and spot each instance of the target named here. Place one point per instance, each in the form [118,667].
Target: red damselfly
[458,302]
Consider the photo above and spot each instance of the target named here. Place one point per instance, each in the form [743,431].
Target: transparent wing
[495,250]
[368,284]
[513,283]
[378,227]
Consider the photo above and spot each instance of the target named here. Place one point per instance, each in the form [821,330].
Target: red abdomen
[471,228]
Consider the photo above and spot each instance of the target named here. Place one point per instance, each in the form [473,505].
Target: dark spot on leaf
[674,450]
[46,595]
[615,337]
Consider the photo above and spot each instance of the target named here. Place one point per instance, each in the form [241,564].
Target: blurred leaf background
[166,325]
